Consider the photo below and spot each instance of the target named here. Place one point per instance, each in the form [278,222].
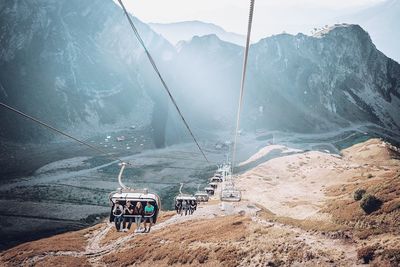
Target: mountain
[334,79]
[210,69]
[381,21]
[185,30]
[77,65]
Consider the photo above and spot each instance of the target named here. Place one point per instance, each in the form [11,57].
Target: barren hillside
[303,209]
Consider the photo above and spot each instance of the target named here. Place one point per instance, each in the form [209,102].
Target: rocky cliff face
[335,78]
[76,65]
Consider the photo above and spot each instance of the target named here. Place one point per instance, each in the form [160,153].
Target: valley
[81,185]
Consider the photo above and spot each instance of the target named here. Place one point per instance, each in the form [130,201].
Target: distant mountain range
[185,30]
[380,21]
[77,65]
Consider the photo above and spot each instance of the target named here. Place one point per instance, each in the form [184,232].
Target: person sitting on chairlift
[128,210]
[138,212]
[193,206]
[118,215]
[186,207]
[178,206]
[148,211]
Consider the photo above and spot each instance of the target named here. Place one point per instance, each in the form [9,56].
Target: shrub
[366,254]
[392,255]
[370,203]
[369,176]
[358,194]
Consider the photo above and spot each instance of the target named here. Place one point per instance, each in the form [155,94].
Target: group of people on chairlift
[129,212]
[185,206]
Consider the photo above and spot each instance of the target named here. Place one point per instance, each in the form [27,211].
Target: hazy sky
[271,16]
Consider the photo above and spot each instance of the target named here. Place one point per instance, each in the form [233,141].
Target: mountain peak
[339,29]
[186,30]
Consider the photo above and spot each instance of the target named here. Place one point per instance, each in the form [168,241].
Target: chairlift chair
[216,179]
[213,185]
[124,194]
[218,174]
[210,191]
[201,196]
[183,197]
[230,193]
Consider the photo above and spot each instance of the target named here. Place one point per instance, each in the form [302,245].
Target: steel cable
[246,52]
[161,78]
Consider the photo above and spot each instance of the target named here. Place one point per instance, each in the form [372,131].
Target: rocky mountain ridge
[77,65]
[186,30]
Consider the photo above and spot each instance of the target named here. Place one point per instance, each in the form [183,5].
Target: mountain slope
[186,30]
[334,78]
[82,58]
[76,64]
[336,231]
[300,83]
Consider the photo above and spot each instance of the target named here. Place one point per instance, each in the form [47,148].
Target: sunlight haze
[271,17]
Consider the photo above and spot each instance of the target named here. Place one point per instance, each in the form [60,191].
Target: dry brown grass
[380,178]
[237,240]
[183,244]
[347,211]
[72,241]
[366,254]
[308,225]
[62,261]
[113,235]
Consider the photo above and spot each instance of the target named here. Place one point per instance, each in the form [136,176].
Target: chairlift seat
[213,185]
[209,190]
[134,196]
[201,196]
[230,194]
[216,179]
[185,197]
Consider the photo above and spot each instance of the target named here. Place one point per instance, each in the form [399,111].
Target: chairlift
[124,194]
[230,193]
[224,169]
[201,196]
[184,197]
[216,179]
[210,191]
[187,202]
[213,185]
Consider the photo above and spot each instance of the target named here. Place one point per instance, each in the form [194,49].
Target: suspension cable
[246,52]
[161,78]
[98,150]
